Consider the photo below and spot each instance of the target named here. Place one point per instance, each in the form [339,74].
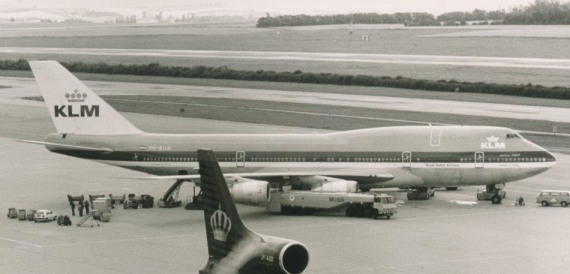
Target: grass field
[545,77]
[486,41]
[357,90]
[244,37]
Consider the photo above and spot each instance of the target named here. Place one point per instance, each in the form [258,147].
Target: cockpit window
[512,135]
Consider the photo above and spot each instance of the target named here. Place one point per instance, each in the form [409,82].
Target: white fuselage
[380,157]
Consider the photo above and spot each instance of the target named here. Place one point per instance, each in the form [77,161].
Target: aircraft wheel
[388,217]
[544,203]
[360,212]
[350,212]
[564,204]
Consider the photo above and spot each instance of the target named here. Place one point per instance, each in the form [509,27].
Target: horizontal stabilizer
[63,146]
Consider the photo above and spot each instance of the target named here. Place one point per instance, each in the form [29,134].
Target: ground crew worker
[72,204]
[86,207]
[80,209]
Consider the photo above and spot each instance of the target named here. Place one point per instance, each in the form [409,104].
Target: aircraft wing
[64,146]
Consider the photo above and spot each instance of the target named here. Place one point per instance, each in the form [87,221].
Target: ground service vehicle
[355,204]
[44,215]
[103,204]
[493,193]
[63,220]
[552,197]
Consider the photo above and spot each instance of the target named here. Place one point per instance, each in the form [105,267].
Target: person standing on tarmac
[80,209]
[70,199]
[86,207]
[72,204]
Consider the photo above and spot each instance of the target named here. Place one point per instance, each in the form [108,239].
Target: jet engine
[270,255]
[329,184]
[249,192]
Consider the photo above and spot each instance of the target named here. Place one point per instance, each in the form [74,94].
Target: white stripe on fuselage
[332,165]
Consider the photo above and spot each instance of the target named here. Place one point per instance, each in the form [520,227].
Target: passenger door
[406,159]
[240,158]
[479,159]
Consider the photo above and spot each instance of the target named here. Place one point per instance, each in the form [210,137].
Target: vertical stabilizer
[73,107]
[224,227]
[232,248]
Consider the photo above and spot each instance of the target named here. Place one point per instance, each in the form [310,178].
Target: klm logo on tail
[76,110]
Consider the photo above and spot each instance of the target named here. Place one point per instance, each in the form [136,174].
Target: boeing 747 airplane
[408,157]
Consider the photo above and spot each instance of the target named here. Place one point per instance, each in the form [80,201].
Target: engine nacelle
[293,258]
[249,192]
[275,256]
[330,184]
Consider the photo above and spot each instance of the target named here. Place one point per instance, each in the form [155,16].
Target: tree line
[541,12]
[408,19]
[223,72]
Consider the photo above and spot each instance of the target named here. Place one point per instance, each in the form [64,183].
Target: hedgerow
[223,72]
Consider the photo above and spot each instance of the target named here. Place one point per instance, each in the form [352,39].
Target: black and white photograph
[285,137]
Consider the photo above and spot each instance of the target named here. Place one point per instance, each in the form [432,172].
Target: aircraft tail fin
[232,248]
[224,227]
[73,107]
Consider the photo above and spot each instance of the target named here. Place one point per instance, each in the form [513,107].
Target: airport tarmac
[451,233]
[537,63]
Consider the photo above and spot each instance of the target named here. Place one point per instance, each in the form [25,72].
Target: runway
[21,87]
[537,63]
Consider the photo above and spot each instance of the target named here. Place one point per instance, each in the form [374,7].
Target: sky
[286,6]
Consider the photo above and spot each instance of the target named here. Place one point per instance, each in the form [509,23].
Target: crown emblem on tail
[493,139]
[221,224]
[75,96]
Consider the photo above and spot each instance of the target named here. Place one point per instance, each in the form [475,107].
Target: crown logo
[493,139]
[221,224]
[75,96]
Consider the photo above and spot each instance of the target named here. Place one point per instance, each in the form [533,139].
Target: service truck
[364,204]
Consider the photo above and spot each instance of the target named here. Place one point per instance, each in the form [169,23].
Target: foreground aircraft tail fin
[232,248]
[224,227]
[73,107]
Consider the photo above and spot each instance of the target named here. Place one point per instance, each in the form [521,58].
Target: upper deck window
[512,135]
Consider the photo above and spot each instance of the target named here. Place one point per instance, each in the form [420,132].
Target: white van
[552,197]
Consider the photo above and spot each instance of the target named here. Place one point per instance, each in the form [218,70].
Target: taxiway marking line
[20,242]
[481,61]
[201,234]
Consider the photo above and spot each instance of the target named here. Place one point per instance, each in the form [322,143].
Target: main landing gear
[493,193]
[420,193]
